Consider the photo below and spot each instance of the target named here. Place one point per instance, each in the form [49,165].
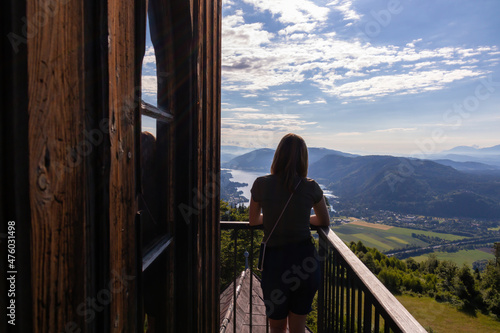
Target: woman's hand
[254,215]
[322,218]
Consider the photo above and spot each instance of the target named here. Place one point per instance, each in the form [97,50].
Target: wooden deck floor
[243,295]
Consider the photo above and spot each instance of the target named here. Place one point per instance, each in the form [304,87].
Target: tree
[391,278]
[430,265]
[465,286]
[496,252]
[360,247]
[412,264]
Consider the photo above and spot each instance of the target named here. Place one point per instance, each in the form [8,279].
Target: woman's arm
[322,218]
[254,214]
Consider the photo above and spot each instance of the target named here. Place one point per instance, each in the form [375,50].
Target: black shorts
[290,279]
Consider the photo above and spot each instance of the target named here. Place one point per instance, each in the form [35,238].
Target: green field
[460,257]
[443,318]
[385,240]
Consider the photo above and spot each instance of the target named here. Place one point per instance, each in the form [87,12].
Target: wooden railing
[350,298]
[229,322]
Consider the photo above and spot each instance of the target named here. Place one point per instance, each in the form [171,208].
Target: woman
[290,276]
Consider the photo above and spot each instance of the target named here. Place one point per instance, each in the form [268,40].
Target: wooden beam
[156,113]
[207,15]
[57,148]
[124,107]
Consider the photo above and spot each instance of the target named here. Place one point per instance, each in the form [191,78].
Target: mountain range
[489,155]
[261,159]
[445,188]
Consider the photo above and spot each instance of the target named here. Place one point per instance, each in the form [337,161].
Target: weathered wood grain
[207,20]
[83,70]
[123,106]
[57,148]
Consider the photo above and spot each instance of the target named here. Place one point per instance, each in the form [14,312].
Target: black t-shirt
[272,195]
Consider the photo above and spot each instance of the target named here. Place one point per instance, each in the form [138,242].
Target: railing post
[321,291]
[251,279]
[337,293]
[359,314]
[353,303]
[235,277]
[342,297]
[367,317]
[348,302]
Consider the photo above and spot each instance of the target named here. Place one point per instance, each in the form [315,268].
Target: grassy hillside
[443,318]
[460,257]
[384,239]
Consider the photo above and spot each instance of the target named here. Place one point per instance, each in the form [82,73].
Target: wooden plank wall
[193,33]
[161,29]
[207,16]
[81,77]
[123,118]
[56,167]
[83,121]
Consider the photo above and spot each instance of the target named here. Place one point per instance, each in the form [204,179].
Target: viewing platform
[350,298]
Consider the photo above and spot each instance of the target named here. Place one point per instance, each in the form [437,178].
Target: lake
[248,177]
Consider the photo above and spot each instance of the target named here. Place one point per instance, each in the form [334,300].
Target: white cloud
[257,60]
[257,121]
[262,116]
[149,56]
[411,83]
[308,53]
[349,134]
[272,125]
[292,11]
[395,130]
[149,85]
[346,8]
[244,109]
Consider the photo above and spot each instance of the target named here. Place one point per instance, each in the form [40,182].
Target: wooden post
[56,168]
[124,106]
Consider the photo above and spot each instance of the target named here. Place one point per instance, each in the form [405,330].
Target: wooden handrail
[397,312]
[239,225]
[155,112]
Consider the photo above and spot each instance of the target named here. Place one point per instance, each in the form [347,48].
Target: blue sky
[382,77]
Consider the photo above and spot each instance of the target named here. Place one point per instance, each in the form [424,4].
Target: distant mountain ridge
[405,185]
[488,155]
[409,186]
[473,150]
[469,166]
[261,159]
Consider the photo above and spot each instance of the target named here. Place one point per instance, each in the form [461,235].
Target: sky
[399,77]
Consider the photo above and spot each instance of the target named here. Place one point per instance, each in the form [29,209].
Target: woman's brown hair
[290,160]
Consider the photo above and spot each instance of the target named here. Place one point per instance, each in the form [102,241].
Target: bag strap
[284,208]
